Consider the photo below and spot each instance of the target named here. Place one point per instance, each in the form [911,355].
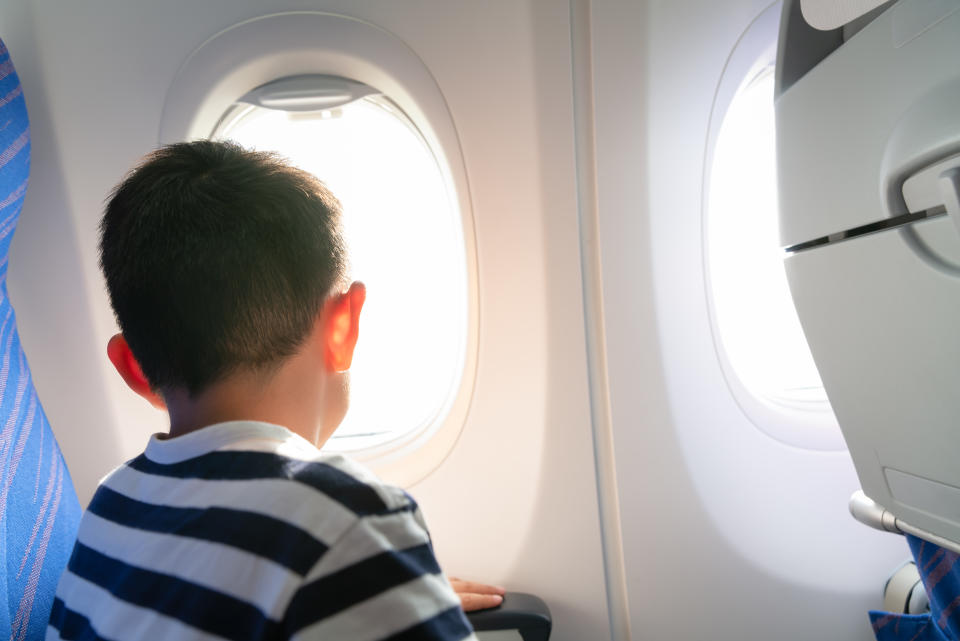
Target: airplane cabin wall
[727,533]
[515,500]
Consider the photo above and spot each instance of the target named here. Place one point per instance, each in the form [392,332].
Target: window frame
[258,51]
[809,425]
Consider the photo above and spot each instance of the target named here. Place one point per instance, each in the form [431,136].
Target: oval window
[764,353]
[405,238]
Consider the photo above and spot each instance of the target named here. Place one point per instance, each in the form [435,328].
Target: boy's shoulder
[256,518]
[264,495]
[341,475]
[256,470]
[349,483]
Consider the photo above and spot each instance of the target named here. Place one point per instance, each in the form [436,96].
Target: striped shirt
[244,530]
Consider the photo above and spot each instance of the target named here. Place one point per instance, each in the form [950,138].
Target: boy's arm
[379,581]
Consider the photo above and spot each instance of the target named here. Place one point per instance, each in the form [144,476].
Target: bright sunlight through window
[754,314]
[406,244]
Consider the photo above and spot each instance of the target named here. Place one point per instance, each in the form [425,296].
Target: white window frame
[264,49]
[806,425]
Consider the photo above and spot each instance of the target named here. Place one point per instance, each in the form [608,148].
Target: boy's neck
[292,396]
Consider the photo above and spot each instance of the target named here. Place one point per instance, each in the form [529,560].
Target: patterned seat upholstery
[940,572]
[39,511]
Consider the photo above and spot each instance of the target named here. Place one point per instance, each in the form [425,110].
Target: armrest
[525,613]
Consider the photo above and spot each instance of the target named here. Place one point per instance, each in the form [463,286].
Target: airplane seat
[940,572]
[39,510]
[870,116]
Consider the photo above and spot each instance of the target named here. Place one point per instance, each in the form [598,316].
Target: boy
[226,272]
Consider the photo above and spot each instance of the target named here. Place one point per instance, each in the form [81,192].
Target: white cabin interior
[598,451]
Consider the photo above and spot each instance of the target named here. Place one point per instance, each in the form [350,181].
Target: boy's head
[218,260]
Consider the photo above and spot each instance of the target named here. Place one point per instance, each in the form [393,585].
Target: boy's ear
[342,326]
[129,369]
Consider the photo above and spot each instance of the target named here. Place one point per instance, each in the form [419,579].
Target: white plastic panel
[888,359]
[855,134]
[922,191]
[880,311]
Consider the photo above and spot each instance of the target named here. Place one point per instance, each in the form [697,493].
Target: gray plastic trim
[801,47]
[308,92]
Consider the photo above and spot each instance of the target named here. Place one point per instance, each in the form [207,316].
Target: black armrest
[526,613]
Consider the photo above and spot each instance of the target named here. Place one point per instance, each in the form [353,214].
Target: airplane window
[406,244]
[759,334]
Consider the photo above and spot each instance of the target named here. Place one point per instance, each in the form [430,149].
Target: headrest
[14,153]
[39,512]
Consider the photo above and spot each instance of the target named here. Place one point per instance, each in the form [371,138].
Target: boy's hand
[477,596]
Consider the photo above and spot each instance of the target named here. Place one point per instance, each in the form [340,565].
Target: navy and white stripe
[244,531]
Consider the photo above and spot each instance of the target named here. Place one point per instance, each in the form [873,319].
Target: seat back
[39,511]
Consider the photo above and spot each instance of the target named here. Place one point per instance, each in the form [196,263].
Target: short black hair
[218,259]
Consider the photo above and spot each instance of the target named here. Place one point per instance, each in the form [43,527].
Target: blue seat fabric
[39,511]
[940,573]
